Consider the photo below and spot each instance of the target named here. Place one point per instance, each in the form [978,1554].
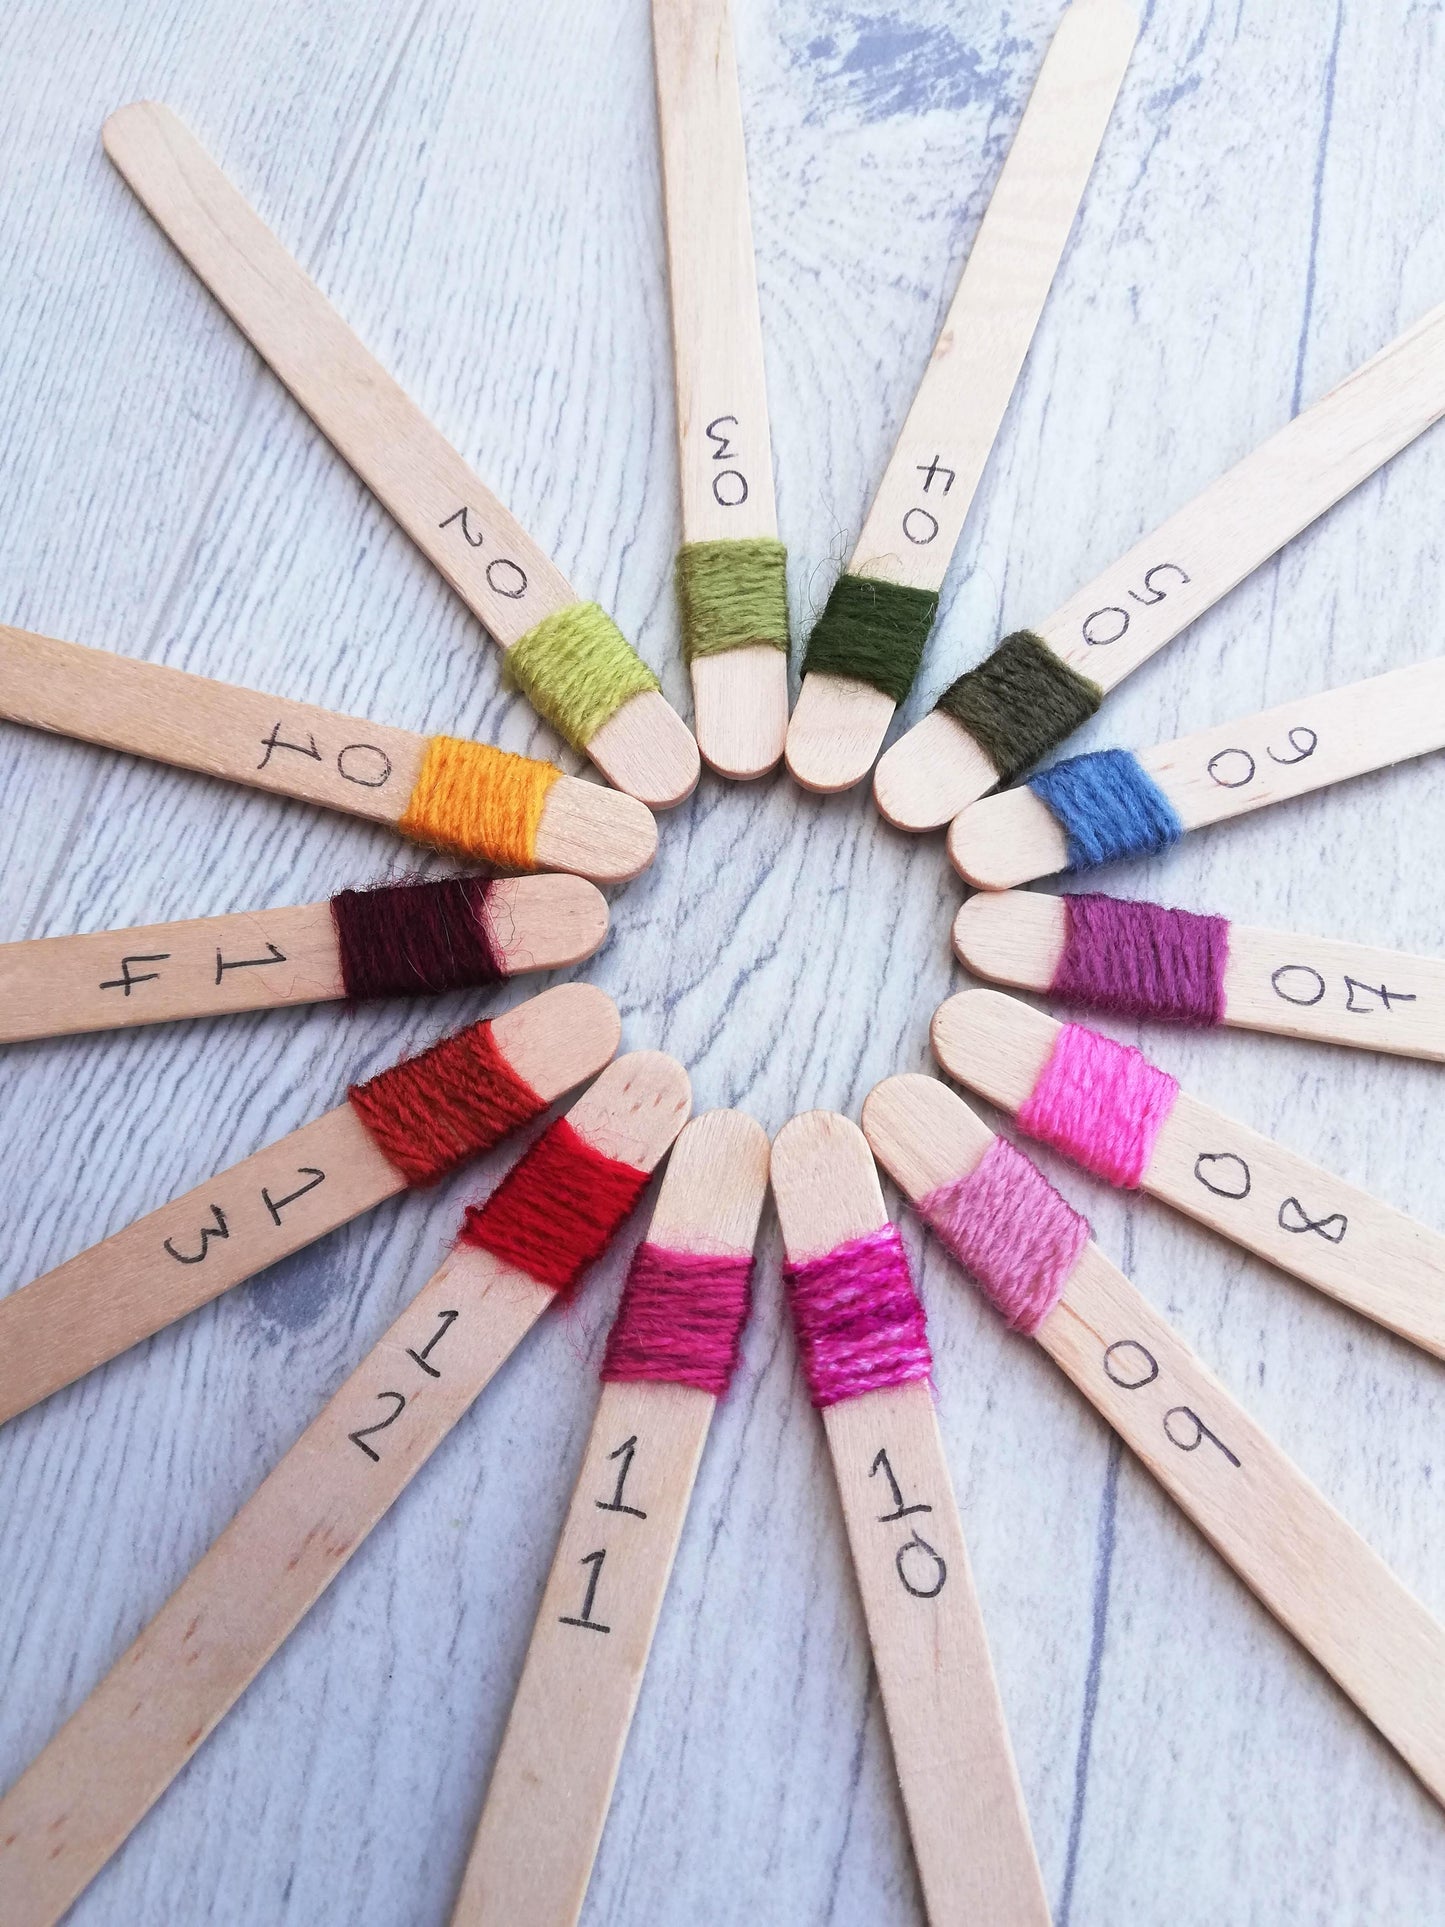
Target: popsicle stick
[955,1764]
[1278,1532]
[1274,980]
[491,562]
[172,1261]
[725,458]
[1226,771]
[112,1760]
[552,1784]
[928,487]
[289,749]
[1246,1187]
[1146,598]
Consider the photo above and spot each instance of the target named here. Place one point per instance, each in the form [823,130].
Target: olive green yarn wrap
[577,669]
[733,594]
[873,631]
[1020,702]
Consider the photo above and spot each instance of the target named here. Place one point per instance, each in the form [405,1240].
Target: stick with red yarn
[1104,1105]
[672,1350]
[864,1350]
[1030,1253]
[1135,959]
[411,1125]
[81,1798]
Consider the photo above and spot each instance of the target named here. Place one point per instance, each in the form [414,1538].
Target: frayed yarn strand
[1009,1228]
[873,631]
[414,939]
[733,595]
[1102,1104]
[859,1322]
[1108,806]
[557,1209]
[680,1320]
[1141,960]
[577,669]
[1020,702]
[431,1114]
[479,802]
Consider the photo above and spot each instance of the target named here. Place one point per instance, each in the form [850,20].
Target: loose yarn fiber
[680,1320]
[557,1209]
[1108,806]
[415,939]
[1141,960]
[1020,702]
[430,1114]
[858,1319]
[1007,1226]
[479,802]
[873,631]
[577,669]
[733,595]
[1102,1104]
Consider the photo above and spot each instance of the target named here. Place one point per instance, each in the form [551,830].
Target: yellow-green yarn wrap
[734,595]
[577,669]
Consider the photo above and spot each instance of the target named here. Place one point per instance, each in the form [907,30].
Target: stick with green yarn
[731,569]
[866,648]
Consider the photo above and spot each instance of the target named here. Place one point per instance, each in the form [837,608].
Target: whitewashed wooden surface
[477,189]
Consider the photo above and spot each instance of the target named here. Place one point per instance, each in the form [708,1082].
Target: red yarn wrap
[430,1114]
[557,1209]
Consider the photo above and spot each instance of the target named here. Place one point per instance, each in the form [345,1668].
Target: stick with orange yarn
[864,1349]
[410,1125]
[671,1354]
[997,1214]
[1107,1107]
[468,798]
[546,1222]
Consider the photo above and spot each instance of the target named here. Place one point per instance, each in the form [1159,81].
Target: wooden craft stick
[918,513]
[552,1784]
[725,459]
[1274,980]
[1117,621]
[1226,771]
[115,1756]
[960,1787]
[491,562]
[289,749]
[1303,1562]
[1246,1187]
[255,960]
[174,1260]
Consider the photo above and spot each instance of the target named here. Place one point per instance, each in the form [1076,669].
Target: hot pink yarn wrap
[1102,1104]
[859,1323]
[1008,1226]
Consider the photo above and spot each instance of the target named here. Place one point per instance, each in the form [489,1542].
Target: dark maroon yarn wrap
[1141,960]
[680,1320]
[415,939]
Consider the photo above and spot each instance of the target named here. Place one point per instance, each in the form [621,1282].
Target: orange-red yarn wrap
[557,1209]
[430,1114]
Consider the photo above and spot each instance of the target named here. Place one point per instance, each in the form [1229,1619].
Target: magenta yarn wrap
[1008,1226]
[1102,1104]
[680,1320]
[1141,960]
[859,1322]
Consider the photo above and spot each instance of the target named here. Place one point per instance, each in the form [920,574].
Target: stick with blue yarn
[1099,808]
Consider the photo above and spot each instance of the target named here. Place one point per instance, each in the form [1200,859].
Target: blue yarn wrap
[1108,806]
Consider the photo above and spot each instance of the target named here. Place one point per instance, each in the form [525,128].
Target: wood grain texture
[478,192]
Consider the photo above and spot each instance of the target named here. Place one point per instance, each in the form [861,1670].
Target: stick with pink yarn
[1031,1255]
[863,1347]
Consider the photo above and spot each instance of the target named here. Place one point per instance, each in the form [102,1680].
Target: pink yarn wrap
[859,1322]
[1102,1104]
[680,1320]
[1008,1226]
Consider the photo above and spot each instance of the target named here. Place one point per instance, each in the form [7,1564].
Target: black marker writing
[125,981]
[1200,1432]
[219,1230]
[277,1205]
[448,1319]
[273,742]
[364,1432]
[624,1452]
[927,1566]
[249,963]
[1294,1217]
[901,1511]
[930,471]
[596,1561]
[1221,1172]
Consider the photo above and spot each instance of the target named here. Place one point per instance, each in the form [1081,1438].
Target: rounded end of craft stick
[836,732]
[992,1043]
[635,1109]
[740,710]
[558,1039]
[544,922]
[921,1132]
[1011,937]
[647,750]
[596,832]
[930,774]
[1006,840]
[825,1184]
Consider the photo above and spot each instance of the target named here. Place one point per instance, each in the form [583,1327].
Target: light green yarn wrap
[734,594]
[577,669]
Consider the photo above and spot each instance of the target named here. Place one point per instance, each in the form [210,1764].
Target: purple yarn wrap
[858,1319]
[1141,960]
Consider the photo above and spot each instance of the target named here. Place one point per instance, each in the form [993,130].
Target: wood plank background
[478,191]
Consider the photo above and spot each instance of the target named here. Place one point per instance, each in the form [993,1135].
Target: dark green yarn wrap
[874,632]
[1020,702]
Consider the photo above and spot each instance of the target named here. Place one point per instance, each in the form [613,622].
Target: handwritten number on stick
[448,1319]
[926,1566]
[219,1230]
[625,1452]
[596,1560]
[364,1432]
[900,1511]
[1294,1217]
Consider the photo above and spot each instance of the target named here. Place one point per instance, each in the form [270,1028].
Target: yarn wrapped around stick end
[479,802]
[680,1320]
[1020,702]
[1102,1104]
[858,1319]
[873,631]
[577,669]
[1009,1229]
[414,939]
[1141,960]
[557,1209]
[1108,806]
[733,595]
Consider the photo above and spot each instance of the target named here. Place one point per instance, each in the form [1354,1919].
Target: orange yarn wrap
[432,1113]
[479,802]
